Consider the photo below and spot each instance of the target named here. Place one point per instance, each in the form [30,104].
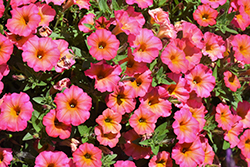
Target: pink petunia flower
[73,106]
[41,54]
[159,16]
[19,3]
[17,39]
[2,8]
[209,153]
[141,3]
[241,46]
[126,163]
[106,76]
[87,19]
[205,15]
[82,4]
[6,49]
[146,46]
[243,111]
[244,144]
[46,12]
[224,117]
[231,81]
[214,3]
[24,20]
[50,158]
[6,156]
[162,159]
[104,44]
[56,2]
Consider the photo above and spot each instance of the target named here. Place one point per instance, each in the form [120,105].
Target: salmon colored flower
[41,54]
[17,39]
[243,111]
[188,154]
[205,15]
[6,49]
[174,58]
[54,128]
[87,19]
[46,12]
[6,156]
[106,76]
[162,159]
[167,30]
[140,83]
[241,20]
[244,144]
[143,121]
[146,46]
[224,117]
[185,126]
[159,16]
[132,149]
[104,44]
[141,3]
[82,4]
[19,3]
[122,100]
[241,46]
[133,67]
[107,139]
[214,46]
[110,121]
[154,102]
[16,110]
[209,153]
[56,2]
[24,20]
[201,80]
[50,158]
[231,81]
[87,155]
[2,8]
[137,15]
[73,106]
[214,3]
[126,163]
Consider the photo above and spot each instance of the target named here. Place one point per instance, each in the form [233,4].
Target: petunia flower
[16,110]
[46,12]
[243,111]
[159,16]
[146,46]
[141,3]
[185,126]
[205,15]
[82,4]
[2,8]
[104,44]
[17,39]
[188,154]
[224,117]
[241,47]
[41,54]
[110,121]
[214,3]
[56,2]
[231,81]
[6,49]
[209,153]
[6,156]
[102,23]
[24,20]
[244,144]
[126,163]
[73,106]
[54,128]
[50,158]
[19,3]
[87,155]
[87,19]
[106,76]
[162,159]
[201,80]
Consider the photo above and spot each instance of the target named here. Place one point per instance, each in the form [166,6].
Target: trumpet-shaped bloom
[224,117]
[6,156]
[87,155]
[243,110]
[174,58]
[110,121]
[185,126]
[54,128]
[146,46]
[209,153]
[24,20]
[188,154]
[141,3]
[6,49]
[17,39]
[122,100]
[87,19]
[241,46]
[143,121]
[106,76]
[154,102]
[82,4]
[201,80]
[104,44]
[205,15]
[214,46]
[135,150]
[126,163]
[162,159]
[214,3]
[46,12]
[107,139]
[41,54]
[50,158]
[231,81]
[73,106]
[19,3]
[244,144]
[159,16]
[2,8]
[16,110]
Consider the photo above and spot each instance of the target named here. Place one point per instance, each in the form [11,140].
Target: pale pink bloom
[56,2]
[224,117]
[46,12]
[243,111]
[87,19]
[126,163]
[107,139]
[6,157]
[214,46]
[231,81]
[241,46]
[106,76]
[159,16]
[167,31]
[17,39]
[82,4]
[185,126]
[209,153]
[188,154]
[162,159]
[201,80]
[2,8]
[141,3]
[6,49]
[214,3]
[146,46]
[19,3]
[50,158]
[24,20]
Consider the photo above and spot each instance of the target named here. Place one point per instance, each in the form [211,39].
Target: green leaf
[226,145]
[215,72]
[151,66]
[84,130]
[77,51]
[41,84]
[107,160]
[155,149]
[37,124]
[39,100]
[154,83]
[160,130]
[104,6]
[115,5]
[28,136]
[27,87]
[146,142]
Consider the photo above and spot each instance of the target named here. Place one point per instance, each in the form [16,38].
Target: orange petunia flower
[241,46]
[224,117]
[244,144]
[231,81]
[205,15]
[162,159]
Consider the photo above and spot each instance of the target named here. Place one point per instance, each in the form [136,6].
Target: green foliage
[108,160]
